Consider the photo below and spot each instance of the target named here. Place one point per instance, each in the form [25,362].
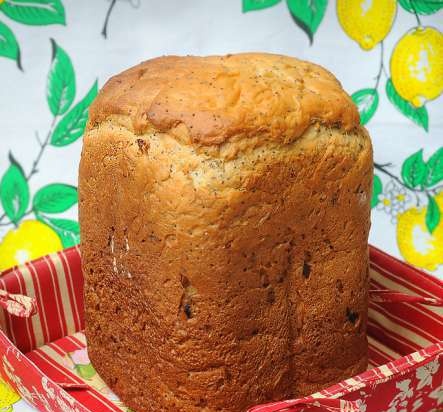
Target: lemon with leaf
[417,65]
[416,244]
[7,397]
[367,22]
[30,240]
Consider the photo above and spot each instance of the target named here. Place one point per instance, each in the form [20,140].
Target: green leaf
[367,103]
[308,14]
[423,7]
[414,169]
[432,214]
[418,115]
[68,230]
[72,125]
[14,191]
[85,371]
[55,198]
[61,81]
[435,168]
[34,12]
[377,189]
[8,45]
[251,5]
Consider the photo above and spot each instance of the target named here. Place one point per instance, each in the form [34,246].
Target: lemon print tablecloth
[55,55]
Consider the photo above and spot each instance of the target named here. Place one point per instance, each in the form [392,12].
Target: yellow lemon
[30,240]
[7,397]
[367,22]
[416,244]
[417,65]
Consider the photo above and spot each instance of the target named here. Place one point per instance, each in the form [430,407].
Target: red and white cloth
[44,357]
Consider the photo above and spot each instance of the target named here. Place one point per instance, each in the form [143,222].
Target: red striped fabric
[416,280]
[377,357]
[58,372]
[404,317]
[20,329]
[412,311]
[56,282]
[72,272]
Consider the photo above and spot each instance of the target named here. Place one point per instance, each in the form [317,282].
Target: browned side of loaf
[222,275]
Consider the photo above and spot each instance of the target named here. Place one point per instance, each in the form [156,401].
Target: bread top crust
[209,100]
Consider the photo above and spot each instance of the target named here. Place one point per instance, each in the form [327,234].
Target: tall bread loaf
[224,214]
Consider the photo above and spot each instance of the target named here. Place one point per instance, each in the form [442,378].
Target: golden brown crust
[208,100]
[219,276]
